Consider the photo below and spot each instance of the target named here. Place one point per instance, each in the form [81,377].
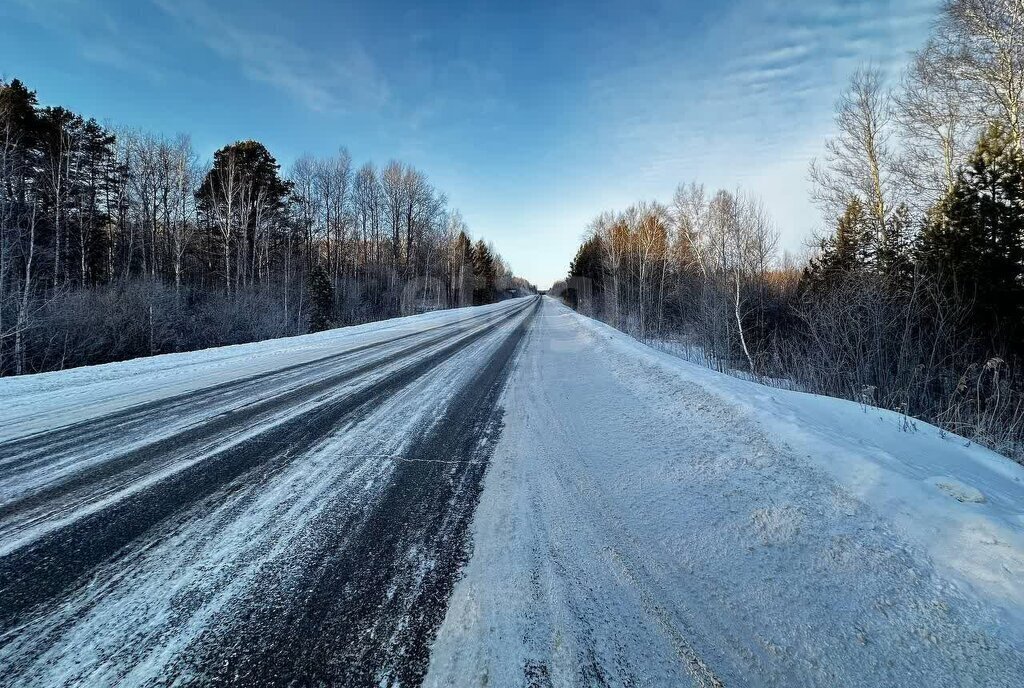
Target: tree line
[913,297]
[118,243]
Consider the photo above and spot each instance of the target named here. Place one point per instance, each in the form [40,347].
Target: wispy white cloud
[346,79]
[95,34]
[750,100]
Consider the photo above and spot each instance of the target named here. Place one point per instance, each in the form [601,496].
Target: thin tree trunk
[19,353]
[739,324]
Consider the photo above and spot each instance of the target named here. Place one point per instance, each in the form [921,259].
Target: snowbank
[962,502]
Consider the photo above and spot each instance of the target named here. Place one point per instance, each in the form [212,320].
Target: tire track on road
[77,435]
[122,469]
[45,568]
[373,592]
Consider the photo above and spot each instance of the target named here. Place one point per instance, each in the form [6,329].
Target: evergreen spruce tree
[847,251]
[484,273]
[586,274]
[856,248]
[894,254]
[974,240]
[587,263]
[321,297]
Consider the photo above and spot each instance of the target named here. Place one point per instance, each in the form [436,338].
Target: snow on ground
[644,521]
[647,521]
[30,403]
[191,390]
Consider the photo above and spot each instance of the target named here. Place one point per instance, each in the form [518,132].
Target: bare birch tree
[859,160]
[984,41]
[937,122]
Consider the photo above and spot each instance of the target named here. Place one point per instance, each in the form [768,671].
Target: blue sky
[532,116]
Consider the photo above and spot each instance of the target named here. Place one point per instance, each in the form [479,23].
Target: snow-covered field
[504,496]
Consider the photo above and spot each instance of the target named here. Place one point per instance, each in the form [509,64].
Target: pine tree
[321,297]
[243,188]
[18,112]
[463,269]
[484,273]
[974,240]
[98,170]
[258,169]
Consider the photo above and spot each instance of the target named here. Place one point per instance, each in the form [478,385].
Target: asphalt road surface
[303,525]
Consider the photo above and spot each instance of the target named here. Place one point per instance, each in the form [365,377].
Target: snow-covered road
[290,511]
[646,521]
[510,495]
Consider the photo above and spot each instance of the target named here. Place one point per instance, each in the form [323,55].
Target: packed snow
[648,521]
[30,403]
